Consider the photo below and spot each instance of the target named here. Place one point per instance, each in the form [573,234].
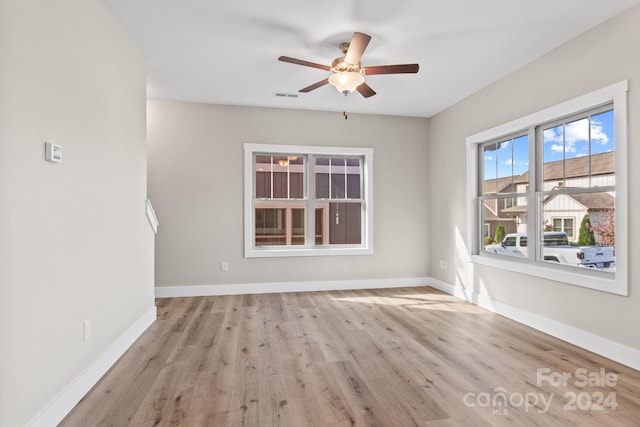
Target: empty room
[289,213]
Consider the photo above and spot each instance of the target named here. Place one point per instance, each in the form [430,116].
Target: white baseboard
[67,400]
[610,349]
[265,288]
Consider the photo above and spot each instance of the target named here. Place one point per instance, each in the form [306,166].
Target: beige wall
[196,184]
[598,58]
[75,243]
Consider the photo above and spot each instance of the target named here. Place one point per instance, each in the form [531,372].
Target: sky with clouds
[570,140]
[507,158]
[573,138]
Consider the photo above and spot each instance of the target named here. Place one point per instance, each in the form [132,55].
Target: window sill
[614,283]
[272,252]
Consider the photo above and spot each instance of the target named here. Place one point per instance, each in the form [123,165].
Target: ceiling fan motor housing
[340,65]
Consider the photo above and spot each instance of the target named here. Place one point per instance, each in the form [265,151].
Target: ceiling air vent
[285,95]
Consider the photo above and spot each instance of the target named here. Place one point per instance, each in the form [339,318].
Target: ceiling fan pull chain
[344,113]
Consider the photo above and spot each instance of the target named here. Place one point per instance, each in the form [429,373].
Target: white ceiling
[226,51]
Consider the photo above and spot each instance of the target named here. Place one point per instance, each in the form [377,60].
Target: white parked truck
[558,249]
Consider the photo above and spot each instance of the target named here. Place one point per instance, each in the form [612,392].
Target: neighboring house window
[564,225]
[308,200]
[511,202]
[550,170]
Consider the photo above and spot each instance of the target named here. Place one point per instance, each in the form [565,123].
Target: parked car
[557,249]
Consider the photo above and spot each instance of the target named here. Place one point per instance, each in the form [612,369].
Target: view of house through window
[339,190]
[573,192]
[279,206]
[308,200]
[505,165]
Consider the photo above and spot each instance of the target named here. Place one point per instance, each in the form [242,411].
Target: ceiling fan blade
[305,63]
[358,44]
[391,69]
[365,90]
[315,86]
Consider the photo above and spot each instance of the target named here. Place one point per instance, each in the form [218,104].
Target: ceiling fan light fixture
[347,74]
[346,81]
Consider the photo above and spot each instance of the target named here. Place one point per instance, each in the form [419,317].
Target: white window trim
[251,251]
[619,284]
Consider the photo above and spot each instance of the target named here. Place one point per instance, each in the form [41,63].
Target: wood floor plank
[367,410]
[384,357]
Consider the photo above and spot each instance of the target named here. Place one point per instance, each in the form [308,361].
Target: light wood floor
[391,357]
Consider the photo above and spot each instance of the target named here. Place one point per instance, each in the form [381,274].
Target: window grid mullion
[345,180]
[271,177]
[310,193]
[535,180]
[590,116]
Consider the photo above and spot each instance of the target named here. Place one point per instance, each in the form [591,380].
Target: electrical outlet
[443,263]
[86,326]
[224,266]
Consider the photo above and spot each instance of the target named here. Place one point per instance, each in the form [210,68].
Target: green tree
[499,233]
[586,236]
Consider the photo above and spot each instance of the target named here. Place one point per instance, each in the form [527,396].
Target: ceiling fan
[347,73]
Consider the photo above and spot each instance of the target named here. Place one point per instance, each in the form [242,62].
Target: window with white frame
[555,176]
[308,200]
